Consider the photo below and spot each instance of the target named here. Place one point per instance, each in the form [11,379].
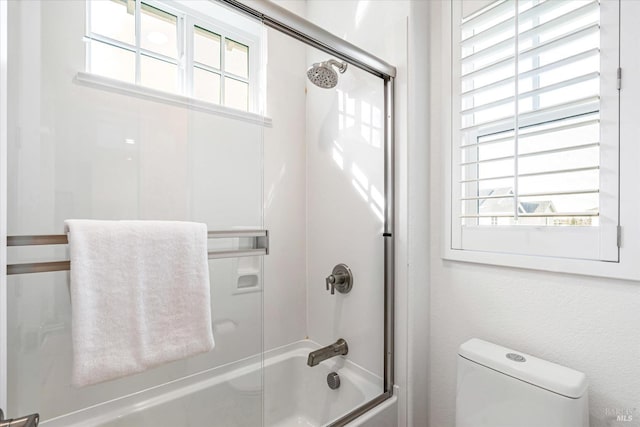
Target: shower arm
[341,66]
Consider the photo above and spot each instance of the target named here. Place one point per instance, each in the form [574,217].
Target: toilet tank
[500,387]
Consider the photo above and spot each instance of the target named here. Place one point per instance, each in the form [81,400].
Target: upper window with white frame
[535,127]
[168,48]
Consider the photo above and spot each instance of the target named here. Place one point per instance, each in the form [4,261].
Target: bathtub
[232,396]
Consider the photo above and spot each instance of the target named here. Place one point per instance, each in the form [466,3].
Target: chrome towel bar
[259,247]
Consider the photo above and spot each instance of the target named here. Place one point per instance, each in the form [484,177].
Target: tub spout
[338,348]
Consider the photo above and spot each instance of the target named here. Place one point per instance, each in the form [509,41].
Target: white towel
[140,296]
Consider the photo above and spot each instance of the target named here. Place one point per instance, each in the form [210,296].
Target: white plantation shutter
[535,144]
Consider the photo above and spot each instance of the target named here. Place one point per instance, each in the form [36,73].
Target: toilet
[500,387]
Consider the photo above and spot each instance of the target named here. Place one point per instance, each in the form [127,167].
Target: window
[171,50]
[535,128]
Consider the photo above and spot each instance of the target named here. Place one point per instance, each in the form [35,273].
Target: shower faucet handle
[330,281]
[340,279]
[333,280]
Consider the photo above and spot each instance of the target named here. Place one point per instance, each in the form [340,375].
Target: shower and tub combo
[166,117]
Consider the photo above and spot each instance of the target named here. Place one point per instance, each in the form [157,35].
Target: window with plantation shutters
[535,127]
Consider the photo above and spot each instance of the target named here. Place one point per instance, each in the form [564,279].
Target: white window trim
[186,20]
[628,266]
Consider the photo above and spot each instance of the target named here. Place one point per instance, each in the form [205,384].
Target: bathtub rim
[100,413]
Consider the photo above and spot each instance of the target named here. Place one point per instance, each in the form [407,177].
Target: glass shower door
[116,147]
[327,149]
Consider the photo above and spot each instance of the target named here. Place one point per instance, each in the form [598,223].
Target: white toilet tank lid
[541,373]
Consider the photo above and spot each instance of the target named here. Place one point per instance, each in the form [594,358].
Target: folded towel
[139,296]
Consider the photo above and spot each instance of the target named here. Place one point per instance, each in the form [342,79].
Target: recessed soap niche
[246,271]
[248,276]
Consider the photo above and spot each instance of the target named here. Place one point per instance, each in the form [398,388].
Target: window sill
[117,86]
[613,270]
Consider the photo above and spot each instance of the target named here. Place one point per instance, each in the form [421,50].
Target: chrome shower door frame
[3,200]
[280,19]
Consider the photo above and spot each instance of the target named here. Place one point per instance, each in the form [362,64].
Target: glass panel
[113,62]
[236,58]
[584,158]
[335,145]
[487,112]
[158,74]
[236,94]
[93,153]
[575,204]
[499,202]
[568,133]
[557,69]
[565,181]
[159,31]
[206,47]
[114,19]
[493,169]
[206,85]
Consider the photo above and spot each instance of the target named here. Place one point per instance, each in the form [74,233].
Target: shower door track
[281,19]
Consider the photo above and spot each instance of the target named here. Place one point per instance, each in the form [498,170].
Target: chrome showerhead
[323,75]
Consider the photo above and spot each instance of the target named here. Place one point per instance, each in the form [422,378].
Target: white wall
[587,323]
[345,193]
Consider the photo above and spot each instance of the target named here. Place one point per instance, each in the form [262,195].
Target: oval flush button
[516,357]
